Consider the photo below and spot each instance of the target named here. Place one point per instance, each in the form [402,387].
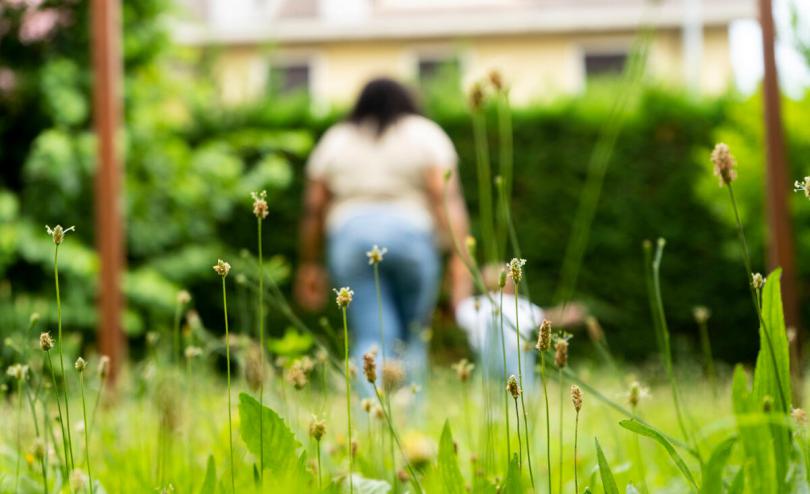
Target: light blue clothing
[409,281]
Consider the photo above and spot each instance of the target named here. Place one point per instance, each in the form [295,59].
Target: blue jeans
[409,281]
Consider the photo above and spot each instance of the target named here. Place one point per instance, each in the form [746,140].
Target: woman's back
[362,167]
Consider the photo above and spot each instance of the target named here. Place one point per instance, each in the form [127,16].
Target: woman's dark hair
[383,101]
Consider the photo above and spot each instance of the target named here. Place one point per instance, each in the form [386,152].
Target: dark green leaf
[713,473]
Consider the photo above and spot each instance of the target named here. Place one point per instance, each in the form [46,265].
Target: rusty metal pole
[107,69]
[780,230]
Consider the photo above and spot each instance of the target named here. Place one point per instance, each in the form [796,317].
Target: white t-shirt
[363,170]
[476,323]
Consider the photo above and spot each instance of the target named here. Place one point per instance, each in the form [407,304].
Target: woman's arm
[311,280]
[454,224]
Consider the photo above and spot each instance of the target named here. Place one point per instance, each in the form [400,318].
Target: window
[289,78]
[604,64]
[432,70]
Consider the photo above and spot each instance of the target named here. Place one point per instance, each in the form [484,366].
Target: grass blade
[608,482]
[448,468]
[713,473]
[639,428]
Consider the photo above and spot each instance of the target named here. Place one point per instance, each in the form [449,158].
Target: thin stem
[505,397]
[261,346]
[318,454]
[520,378]
[45,444]
[637,447]
[228,365]
[706,346]
[747,260]
[387,403]
[176,352]
[19,434]
[86,433]
[484,185]
[95,403]
[520,445]
[548,417]
[576,437]
[59,409]
[62,357]
[562,400]
[349,396]
[395,437]
[33,407]
[505,163]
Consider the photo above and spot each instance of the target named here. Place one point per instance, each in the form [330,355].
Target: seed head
[17,371]
[561,353]
[463,369]
[393,375]
[183,297]
[367,403]
[58,233]
[298,374]
[544,336]
[515,269]
[724,164]
[471,245]
[636,393]
[799,416]
[370,365]
[343,296]
[757,281]
[576,397]
[192,352]
[103,367]
[39,448]
[476,96]
[260,208]
[701,314]
[254,367]
[45,341]
[502,279]
[496,80]
[802,186]
[375,255]
[80,364]
[378,412]
[513,387]
[222,268]
[317,428]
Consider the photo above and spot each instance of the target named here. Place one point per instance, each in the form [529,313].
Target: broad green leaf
[210,481]
[513,483]
[769,380]
[292,344]
[639,428]
[608,482]
[452,480]
[713,472]
[759,461]
[280,445]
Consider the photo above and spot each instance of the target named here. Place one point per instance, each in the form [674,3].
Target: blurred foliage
[192,161]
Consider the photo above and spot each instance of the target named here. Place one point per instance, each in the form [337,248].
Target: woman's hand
[311,285]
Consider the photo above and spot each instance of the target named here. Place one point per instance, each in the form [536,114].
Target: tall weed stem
[66,422]
[347,373]
[520,379]
[228,365]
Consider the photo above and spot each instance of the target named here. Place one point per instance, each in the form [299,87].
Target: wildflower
[800,416]
[463,369]
[317,428]
[17,371]
[58,233]
[367,404]
[512,387]
[576,397]
[343,296]
[193,352]
[103,367]
[701,314]
[260,208]
[183,297]
[393,374]
[544,336]
[802,186]
[757,281]
[636,393]
[297,376]
[222,268]
[370,365]
[724,164]
[515,269]
[476,96]
[375,255]
[561,353]
[80,364]
[45,341]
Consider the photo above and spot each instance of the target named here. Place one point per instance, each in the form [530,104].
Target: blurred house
[329,48]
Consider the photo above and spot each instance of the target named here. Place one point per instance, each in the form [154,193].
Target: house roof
[303,21]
